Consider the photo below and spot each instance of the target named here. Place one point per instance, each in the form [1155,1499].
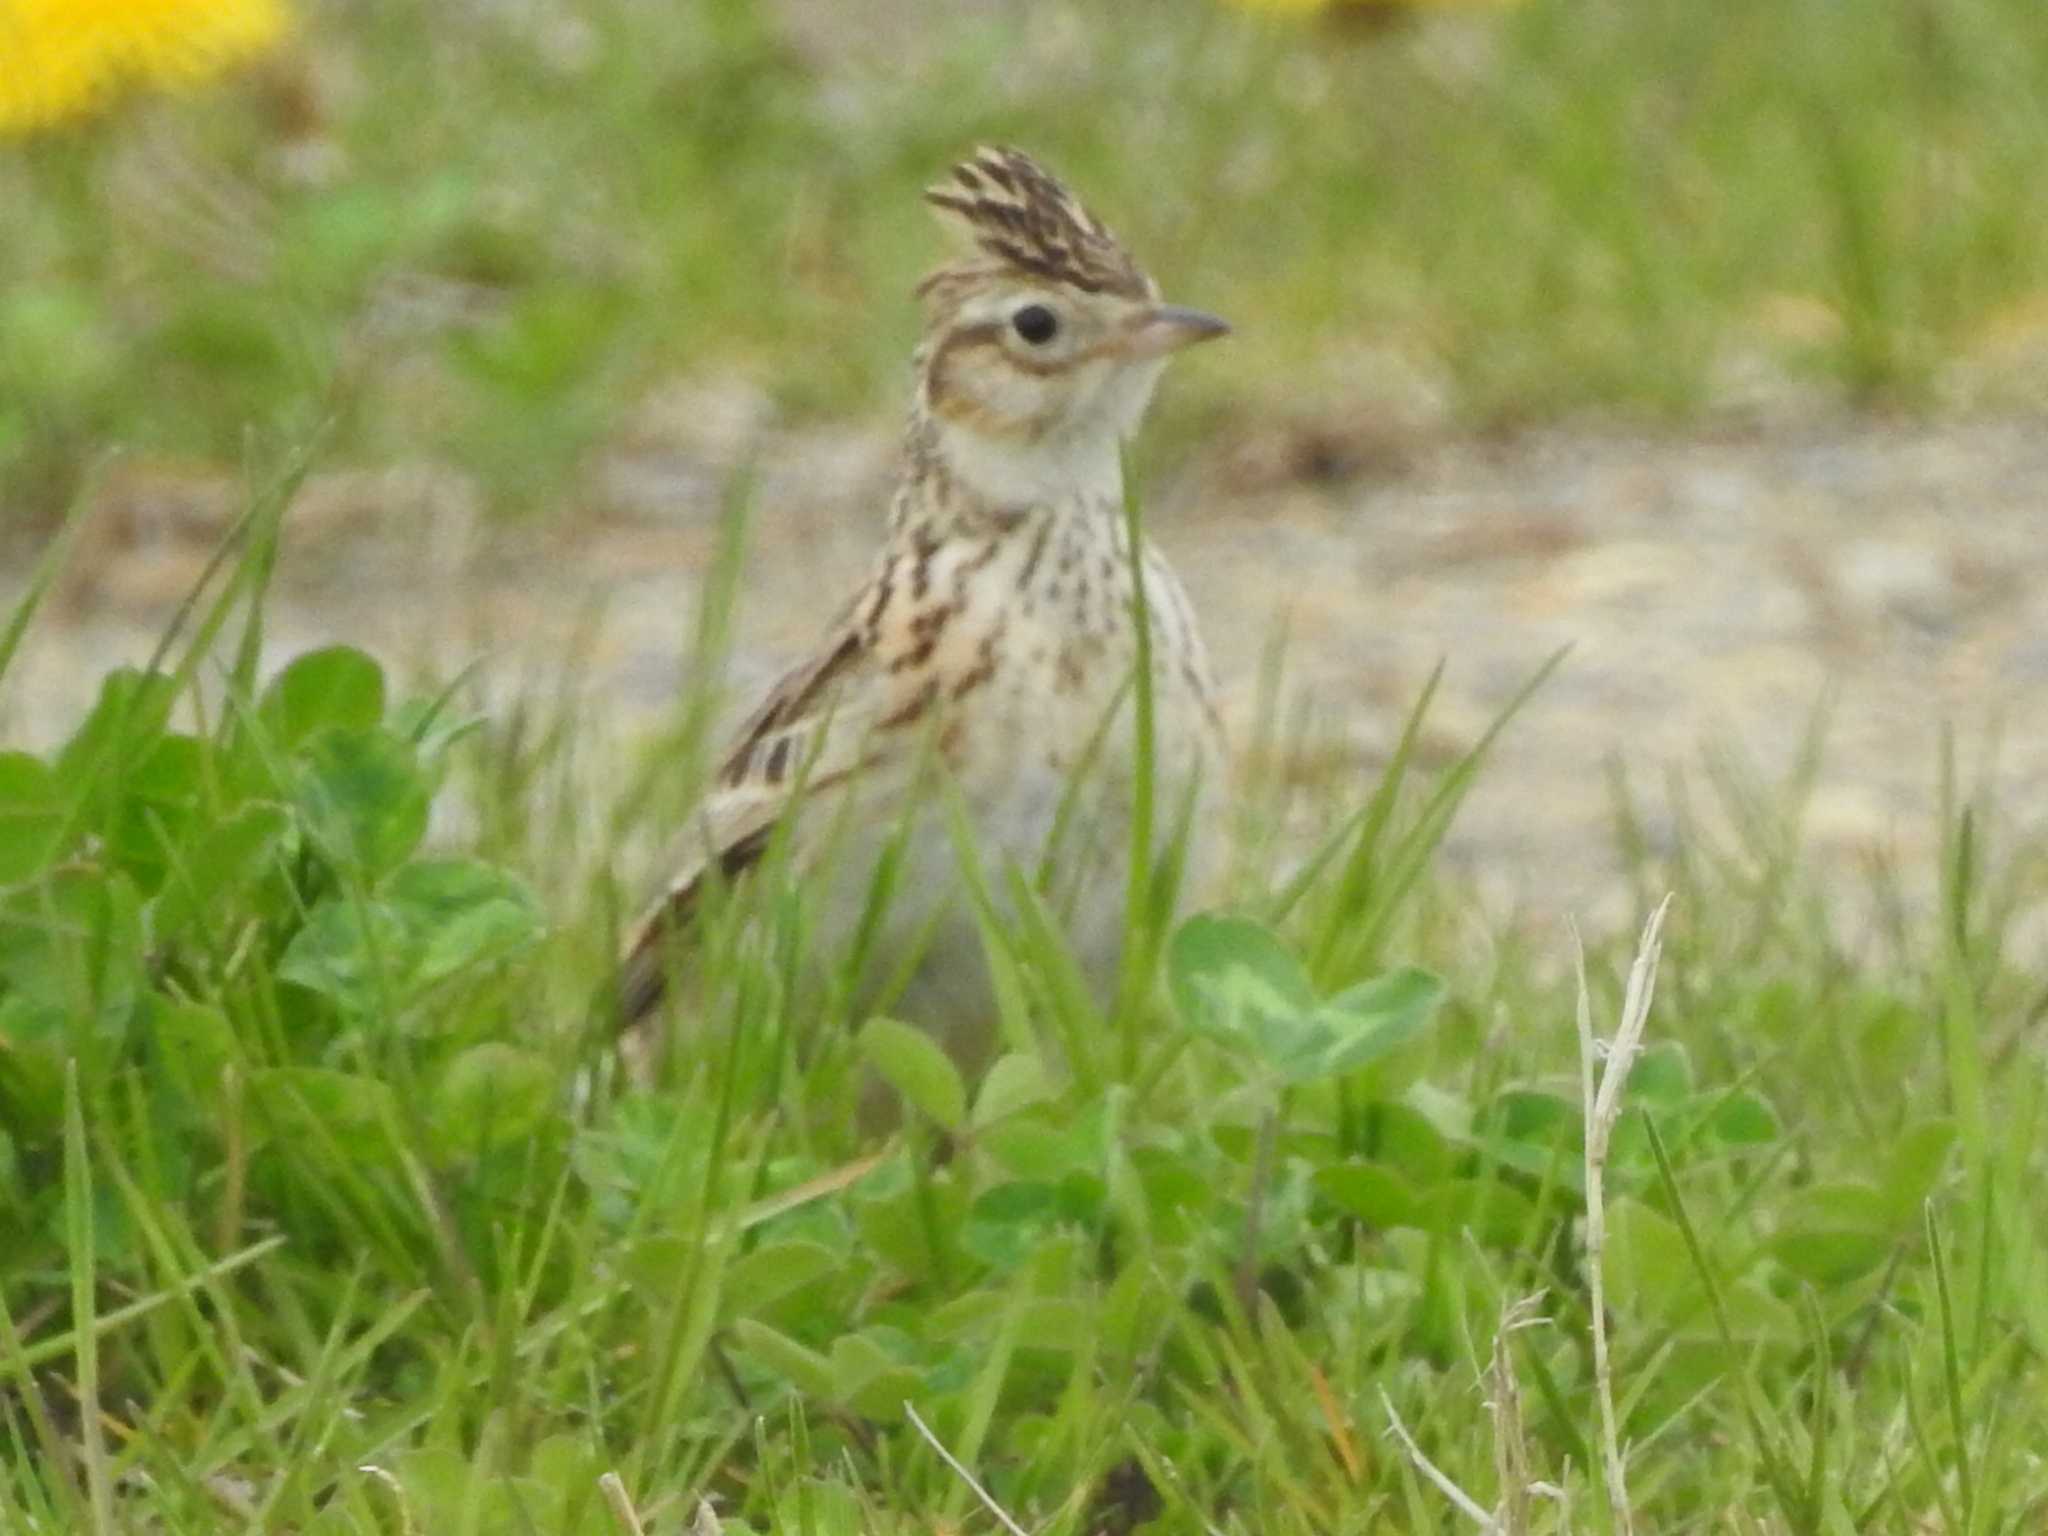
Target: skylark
[990,653]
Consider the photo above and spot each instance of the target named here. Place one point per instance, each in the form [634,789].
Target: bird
[986,662]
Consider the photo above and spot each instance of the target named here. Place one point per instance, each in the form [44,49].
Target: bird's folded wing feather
[822,724]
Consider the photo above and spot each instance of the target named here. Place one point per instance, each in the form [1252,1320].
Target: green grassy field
[325,1207]
[480,235]
[328,1210]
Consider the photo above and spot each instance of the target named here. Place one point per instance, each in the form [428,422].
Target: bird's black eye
[1035,323]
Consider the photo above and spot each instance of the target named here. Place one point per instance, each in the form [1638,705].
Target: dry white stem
[621,1503]
[1603,1108]
[1510,1443]
[965,1476]
[1464,1501]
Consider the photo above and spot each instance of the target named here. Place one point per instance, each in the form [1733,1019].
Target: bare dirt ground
[1714,590]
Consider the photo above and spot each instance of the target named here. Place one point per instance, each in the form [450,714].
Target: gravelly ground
[1712,588]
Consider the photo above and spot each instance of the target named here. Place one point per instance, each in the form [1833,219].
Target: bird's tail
[648,962]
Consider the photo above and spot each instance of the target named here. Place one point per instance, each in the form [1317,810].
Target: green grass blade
[50,564]
[1951,1370]
[82,1252]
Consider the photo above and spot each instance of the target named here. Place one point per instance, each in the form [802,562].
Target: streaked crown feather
[1018,216]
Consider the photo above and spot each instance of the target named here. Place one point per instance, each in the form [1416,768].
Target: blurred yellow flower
[60,58]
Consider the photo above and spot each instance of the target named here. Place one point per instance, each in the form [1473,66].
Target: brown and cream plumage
[992,644]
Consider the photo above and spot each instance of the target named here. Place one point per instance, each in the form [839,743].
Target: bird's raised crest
[1016,214]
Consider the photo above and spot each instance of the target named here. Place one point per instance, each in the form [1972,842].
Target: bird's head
[1044,341]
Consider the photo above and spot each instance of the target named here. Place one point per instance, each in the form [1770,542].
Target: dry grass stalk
[621,1504]
[1603,1109]
[1464,1501]
[967,1477]
[1510,1444]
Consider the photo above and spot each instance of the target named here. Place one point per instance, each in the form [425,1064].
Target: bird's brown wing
[808,737]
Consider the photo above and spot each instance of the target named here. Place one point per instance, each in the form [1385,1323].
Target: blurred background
[1709,337]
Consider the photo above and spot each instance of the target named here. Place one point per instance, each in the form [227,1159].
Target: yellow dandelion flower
[62,58]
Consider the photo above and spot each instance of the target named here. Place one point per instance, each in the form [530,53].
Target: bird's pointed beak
[1167,328]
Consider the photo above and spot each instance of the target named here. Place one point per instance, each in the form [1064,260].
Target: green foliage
[522,230]
[1234,982]
[914,1065]
[312,1160]
[201,907]
[285,1074]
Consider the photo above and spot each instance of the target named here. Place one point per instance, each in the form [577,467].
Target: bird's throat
[999,472]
